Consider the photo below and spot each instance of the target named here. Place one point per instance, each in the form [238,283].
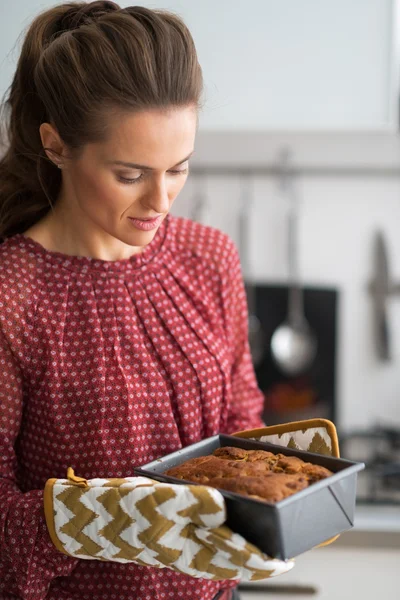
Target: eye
[129,181]
[178,172]
[138,179]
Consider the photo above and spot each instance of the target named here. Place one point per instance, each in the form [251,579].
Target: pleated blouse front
[105,366]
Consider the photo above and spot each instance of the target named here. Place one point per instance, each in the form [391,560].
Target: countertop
[363,563]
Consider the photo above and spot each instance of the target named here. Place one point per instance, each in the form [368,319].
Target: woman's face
[122,189]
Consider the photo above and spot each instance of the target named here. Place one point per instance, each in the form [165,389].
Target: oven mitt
[153,524]
[312,435]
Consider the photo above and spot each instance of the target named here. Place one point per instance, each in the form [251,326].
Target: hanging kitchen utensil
[381,289]
[293,344]
[256,335]
[199,205]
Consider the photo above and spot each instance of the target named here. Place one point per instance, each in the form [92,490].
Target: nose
[157,198]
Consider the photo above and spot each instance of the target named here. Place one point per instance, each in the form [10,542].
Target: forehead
[158,138]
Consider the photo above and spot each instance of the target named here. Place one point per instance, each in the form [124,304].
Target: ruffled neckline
[85,263]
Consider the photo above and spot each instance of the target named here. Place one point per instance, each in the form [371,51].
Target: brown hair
[79,60]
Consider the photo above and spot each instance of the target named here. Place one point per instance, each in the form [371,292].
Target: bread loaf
[255,473]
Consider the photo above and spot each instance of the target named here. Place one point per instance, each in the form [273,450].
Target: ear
[52,144]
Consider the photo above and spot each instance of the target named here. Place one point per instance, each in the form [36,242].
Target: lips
[145,218]
[146,224]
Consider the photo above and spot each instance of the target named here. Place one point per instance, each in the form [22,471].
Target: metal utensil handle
[243,242]
[199,202]
[295,293]
[380,289]
[243,246]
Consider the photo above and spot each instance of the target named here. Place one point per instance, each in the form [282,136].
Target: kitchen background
[301,119]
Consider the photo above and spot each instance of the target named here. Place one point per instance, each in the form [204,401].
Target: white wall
[274,64]
[14,18]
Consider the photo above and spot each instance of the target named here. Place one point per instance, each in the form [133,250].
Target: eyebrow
[144,167]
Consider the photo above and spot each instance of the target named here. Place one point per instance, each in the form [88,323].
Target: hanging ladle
[293,344]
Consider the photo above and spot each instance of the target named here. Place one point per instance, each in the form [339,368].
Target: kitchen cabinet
[359,565]
[295,65]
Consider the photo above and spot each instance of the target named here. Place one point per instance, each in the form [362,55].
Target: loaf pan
[292,526]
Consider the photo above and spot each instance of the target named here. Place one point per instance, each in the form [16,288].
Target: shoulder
[208,244]
[15,258]
[18,273]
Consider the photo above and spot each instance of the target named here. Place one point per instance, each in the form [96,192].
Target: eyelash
[138,179]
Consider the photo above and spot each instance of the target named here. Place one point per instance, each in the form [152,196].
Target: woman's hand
[152,524]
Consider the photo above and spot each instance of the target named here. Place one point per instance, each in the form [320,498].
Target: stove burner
[379,449]
[389,475]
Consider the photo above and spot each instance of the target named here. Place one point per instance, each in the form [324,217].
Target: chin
[138,239]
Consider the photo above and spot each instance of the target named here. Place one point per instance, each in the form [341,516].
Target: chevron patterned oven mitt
[154,524]
[312,435]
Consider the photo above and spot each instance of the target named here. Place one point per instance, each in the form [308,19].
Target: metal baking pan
[292,526]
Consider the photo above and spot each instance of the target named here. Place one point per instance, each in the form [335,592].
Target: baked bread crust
[258,474]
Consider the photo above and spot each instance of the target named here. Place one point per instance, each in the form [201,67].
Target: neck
[62,231]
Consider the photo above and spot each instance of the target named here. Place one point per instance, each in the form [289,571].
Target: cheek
[100,191]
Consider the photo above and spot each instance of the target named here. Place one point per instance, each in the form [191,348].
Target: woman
[122,329]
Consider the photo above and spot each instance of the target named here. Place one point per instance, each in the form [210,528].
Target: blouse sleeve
[28,558]
[247,400]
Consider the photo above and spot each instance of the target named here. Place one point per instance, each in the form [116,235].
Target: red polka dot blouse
[105,366]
